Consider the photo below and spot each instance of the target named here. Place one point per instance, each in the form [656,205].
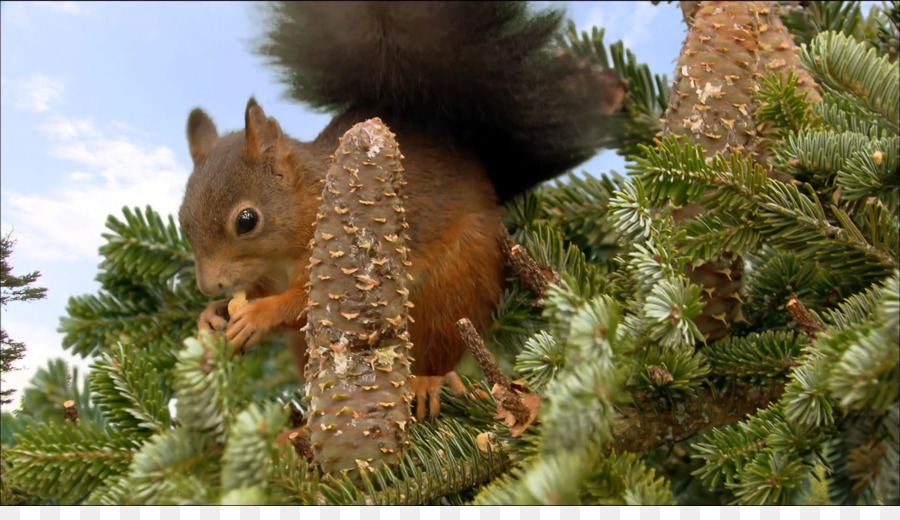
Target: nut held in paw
[237,301]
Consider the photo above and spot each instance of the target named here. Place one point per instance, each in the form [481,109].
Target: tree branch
[644,425]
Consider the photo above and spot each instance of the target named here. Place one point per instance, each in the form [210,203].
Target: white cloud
[36,92]
[639,24]
[626,21]
[598,17]
[66,221]
[65,7]
[62,128]
[21,13]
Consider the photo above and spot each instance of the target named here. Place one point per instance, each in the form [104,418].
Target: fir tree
[13,288]
[795,401]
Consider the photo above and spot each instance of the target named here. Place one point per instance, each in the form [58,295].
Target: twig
[300,442]
[803,317]
[476,346]
[509,401]
[297,419]
[506,241]
[502,386]
[70,411]
[531,274]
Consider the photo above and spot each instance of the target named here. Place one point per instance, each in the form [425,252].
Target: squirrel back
[485,75]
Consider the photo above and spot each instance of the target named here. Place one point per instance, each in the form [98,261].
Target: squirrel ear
[260,132]
[201,134]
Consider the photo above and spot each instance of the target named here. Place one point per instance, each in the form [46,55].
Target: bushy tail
[486,74]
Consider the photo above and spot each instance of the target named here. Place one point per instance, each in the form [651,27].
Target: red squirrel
[484,107]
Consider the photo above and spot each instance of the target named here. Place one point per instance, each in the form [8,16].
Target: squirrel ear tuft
[253,114]
[260,132]
[201,134]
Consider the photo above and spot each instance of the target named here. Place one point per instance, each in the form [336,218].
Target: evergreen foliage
[637,408]
[13,288]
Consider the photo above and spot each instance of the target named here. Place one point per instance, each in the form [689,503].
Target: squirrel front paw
[214,317]
[249,324]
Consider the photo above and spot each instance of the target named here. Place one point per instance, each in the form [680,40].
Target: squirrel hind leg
[296,343]
[465,279]
[427,392]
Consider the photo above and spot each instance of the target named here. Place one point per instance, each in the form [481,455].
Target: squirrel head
[240,208]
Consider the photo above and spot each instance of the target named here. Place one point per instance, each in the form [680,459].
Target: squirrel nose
[207,286]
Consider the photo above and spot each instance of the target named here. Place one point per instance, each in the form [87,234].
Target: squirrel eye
[246,221]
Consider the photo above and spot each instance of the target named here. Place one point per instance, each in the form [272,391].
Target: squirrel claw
[427,389]
[242,337]
[214,317]
[243,331]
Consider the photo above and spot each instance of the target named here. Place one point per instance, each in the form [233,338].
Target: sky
[94,99]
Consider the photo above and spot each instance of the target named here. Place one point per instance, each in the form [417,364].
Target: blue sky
[94,100]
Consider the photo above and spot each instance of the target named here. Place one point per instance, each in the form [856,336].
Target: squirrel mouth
[254,289]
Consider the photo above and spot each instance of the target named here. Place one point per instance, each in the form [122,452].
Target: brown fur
[483,105]
[452,211]
[486,75]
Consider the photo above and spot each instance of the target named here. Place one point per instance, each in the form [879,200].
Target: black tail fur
[486,74]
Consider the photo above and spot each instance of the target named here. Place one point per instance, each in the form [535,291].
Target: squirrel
[484,107]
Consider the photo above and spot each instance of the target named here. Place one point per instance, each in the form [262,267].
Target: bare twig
[803,317]
[476,346]
[297,419]
[518,411]
[70,411]
[300,442]
[532,276]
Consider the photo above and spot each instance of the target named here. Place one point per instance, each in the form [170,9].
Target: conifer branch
[79,458]
[252,435]
[442,459]
[644,425]
[806,190]
[579,205]
[758,357]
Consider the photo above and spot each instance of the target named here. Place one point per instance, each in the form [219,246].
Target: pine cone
[359,362]
[729,46]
